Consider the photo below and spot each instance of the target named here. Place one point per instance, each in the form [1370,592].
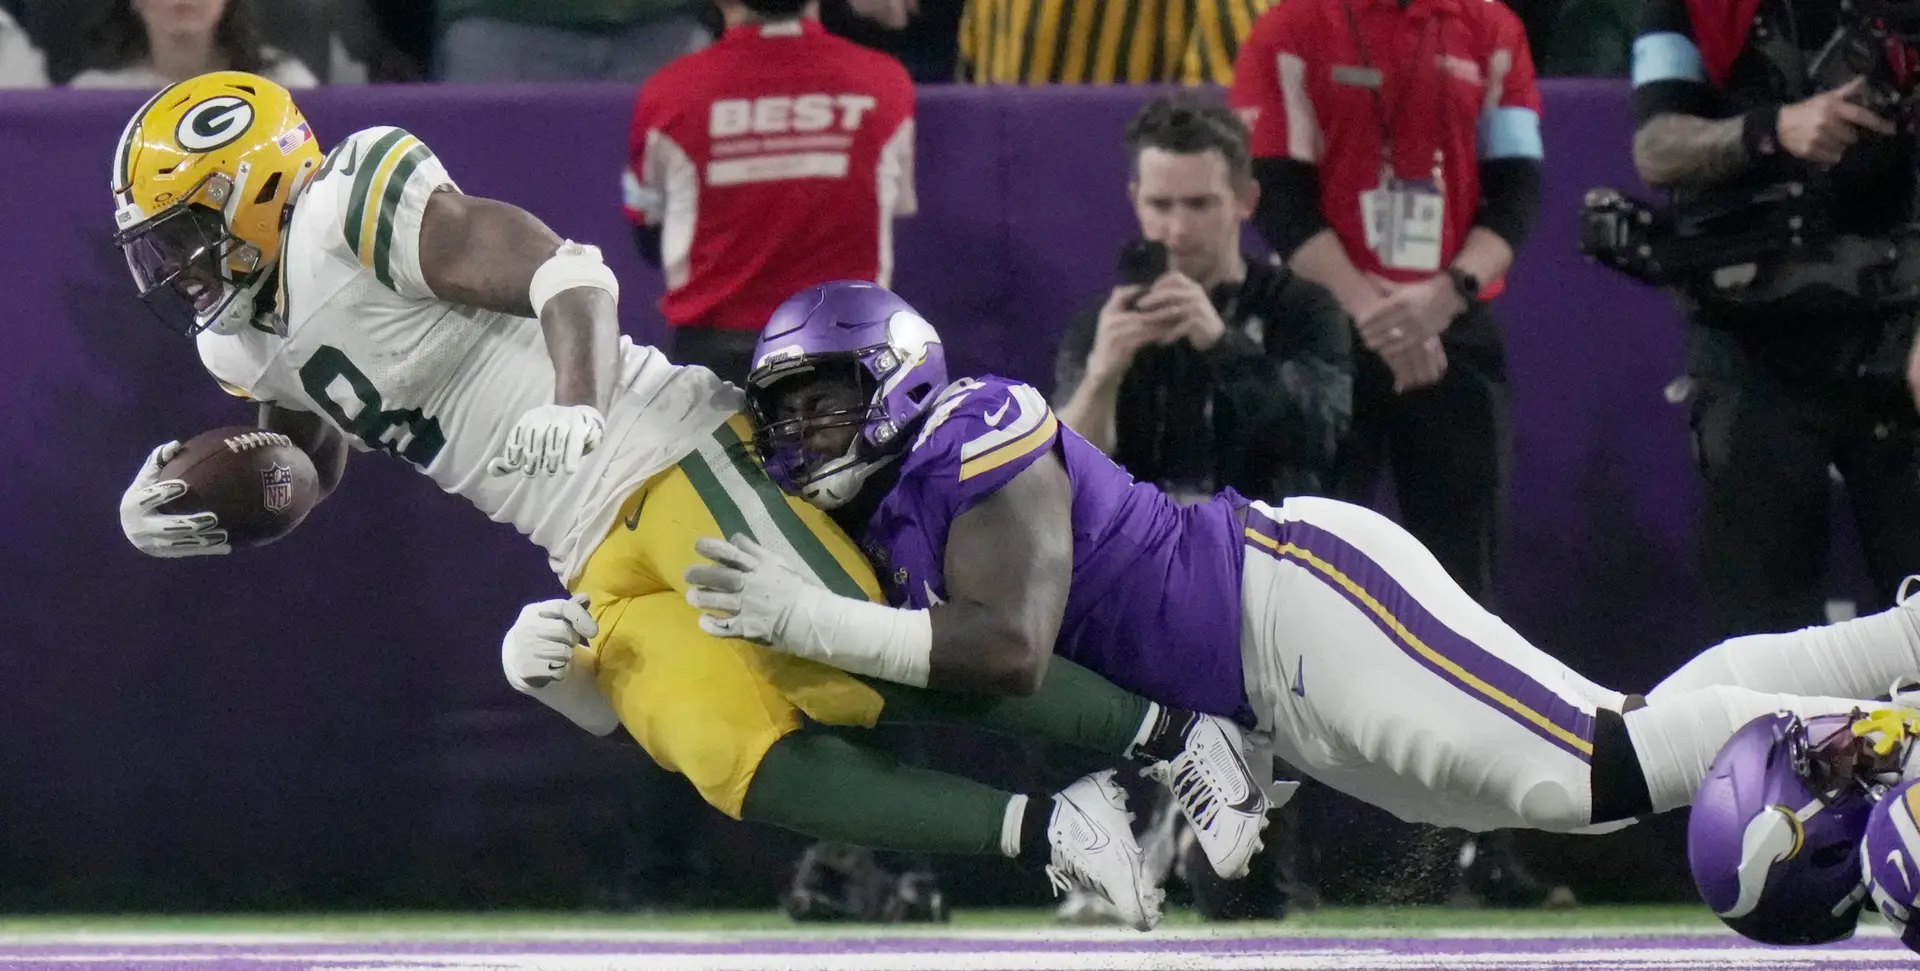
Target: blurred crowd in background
[139,43]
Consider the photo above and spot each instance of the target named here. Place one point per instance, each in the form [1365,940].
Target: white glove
[746,592]
[162,534]
[754,594]
[550,439]
[538,648]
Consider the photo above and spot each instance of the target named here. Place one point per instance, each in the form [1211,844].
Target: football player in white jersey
[365,302]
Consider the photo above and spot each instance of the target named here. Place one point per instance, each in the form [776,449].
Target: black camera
[1713,235]
[1874,43]
[1769,248]
[1775,245]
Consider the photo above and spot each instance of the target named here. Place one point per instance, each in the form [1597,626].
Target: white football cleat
[1093,848]
[1217,794]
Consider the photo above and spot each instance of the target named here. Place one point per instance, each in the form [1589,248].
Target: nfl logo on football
[276,488]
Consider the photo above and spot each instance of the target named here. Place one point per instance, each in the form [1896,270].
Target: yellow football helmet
[203,184]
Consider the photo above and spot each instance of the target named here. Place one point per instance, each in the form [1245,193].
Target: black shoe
[845,884]
[1491,875]
[919,901]
[1260,895]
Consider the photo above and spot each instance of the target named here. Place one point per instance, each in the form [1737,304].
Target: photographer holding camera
[1203,369]
[1798,348]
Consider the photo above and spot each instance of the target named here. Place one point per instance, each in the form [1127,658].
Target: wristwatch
[1466,285]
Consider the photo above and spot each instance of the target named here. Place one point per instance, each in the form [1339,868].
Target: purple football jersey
[1155,601]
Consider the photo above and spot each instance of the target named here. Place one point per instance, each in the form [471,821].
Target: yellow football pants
[708,707]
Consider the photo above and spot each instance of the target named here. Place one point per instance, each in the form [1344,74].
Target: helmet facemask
[190,268]
[1844,762]
[827,480]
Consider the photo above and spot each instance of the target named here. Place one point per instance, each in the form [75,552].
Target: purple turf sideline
[938,954]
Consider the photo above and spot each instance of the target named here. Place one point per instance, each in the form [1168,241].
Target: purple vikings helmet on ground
[1774,838]
[868,330]
[1890,858]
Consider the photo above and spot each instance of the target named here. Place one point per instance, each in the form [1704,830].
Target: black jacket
[1262,412]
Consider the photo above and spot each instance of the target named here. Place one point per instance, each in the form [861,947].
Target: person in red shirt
[1397,147]
[771,161]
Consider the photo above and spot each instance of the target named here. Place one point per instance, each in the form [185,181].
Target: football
[258,482]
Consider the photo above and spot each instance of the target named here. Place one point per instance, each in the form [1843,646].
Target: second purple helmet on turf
[880,341]
[1890,859]
[1774,837]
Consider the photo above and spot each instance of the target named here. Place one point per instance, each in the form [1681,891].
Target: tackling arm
[1009,564]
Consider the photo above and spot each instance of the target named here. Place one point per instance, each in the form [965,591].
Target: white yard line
[1172,934]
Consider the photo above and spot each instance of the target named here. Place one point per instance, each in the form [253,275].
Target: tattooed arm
[1674,149]
[1683,136]
[1679,148]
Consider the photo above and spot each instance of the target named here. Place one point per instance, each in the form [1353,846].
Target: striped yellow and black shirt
[1104,41]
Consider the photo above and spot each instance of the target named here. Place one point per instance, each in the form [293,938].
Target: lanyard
[1381,116]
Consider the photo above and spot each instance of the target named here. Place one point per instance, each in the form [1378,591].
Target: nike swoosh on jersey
[1300,677]
[994,416]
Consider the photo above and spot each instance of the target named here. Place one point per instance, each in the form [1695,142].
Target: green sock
[1074,706]
[825,787]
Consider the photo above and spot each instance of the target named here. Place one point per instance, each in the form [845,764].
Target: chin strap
[839,487]
[239,312]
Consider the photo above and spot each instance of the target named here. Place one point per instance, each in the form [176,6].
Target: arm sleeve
[1288,213]
[1509,124]
[1509,198]
[1508,135]
[1669,75]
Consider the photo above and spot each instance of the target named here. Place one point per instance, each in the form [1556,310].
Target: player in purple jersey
[1004,538]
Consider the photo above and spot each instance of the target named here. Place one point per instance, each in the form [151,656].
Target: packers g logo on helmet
[213,123]
[203,181]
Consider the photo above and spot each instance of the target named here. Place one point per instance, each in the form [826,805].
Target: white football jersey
[367,345]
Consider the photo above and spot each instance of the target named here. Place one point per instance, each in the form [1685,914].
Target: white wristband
[572,265]
[873,639]
[576,696]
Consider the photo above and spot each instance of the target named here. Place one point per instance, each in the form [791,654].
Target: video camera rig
[1774,245]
